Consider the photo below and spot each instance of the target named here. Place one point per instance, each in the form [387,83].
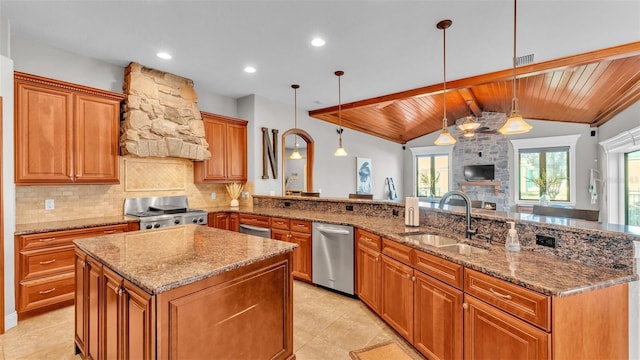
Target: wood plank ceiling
[589,88]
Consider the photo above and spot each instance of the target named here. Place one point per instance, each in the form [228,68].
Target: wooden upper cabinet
[65,133]
[97,129]
[227,138]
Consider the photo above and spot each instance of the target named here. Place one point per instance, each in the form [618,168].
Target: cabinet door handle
[408,276]
[500,295]
[47,262]
[47,239]
[47,291]
[413,278]
[109,231]
[465,306]
[377,258]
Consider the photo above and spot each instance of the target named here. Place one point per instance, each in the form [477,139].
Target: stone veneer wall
[161,116]
[485,149]
[74,202]
[589,246]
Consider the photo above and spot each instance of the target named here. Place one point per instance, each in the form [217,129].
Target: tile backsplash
[72,202]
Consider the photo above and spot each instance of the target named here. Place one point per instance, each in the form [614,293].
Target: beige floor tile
[320,349]
[326,325]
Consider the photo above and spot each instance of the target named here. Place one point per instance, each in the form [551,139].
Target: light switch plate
[49,204]
[213,195]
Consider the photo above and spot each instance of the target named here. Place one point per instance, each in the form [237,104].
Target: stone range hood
[161,116]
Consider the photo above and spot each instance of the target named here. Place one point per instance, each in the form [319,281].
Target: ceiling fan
[471,125]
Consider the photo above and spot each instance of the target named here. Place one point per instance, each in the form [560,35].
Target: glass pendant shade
[515,122]
[445,138]
[340,151]
[295,154]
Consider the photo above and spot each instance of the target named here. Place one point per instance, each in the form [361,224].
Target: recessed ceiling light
[250,69]
[318,42]
[164,55]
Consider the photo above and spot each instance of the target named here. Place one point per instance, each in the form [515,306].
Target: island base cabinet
[492,334]
[114,318]
[241,314]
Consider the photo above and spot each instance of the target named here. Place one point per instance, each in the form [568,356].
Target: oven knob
[195,221]
[149,226]
[176,221]
[201,220]
[156,225]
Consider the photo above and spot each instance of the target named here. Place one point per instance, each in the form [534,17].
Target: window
[544,172]
[632,188]
[432,175]
[431,170]
[620,169]
[545,166]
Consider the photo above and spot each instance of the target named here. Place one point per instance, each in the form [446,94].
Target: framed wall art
[363,176]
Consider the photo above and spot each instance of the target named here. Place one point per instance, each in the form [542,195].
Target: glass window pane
[441,167]
[632,187]
[557,175]
[529,170]
[423,167]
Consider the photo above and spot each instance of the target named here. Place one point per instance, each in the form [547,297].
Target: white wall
[9,189]
[40,59]
[332,176]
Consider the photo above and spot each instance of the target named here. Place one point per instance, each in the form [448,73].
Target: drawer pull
[47,291]
[47,262]
[47,239]
[500,295]
[109,231]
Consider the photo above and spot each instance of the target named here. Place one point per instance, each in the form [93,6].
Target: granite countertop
[536,271]
[543,273]
[188,253]
[40,227]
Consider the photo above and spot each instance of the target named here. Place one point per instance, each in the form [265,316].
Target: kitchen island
[184,292]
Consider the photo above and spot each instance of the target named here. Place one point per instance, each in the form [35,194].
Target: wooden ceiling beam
[616,52]
[467,95]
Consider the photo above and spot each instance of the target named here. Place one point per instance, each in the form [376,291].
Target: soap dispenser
[512,243]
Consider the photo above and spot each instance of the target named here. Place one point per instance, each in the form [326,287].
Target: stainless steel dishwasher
[332,257]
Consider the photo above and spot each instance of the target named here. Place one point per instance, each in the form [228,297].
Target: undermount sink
[464,249]
[429,239]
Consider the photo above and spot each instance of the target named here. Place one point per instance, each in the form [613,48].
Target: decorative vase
[544,199]
[235,203]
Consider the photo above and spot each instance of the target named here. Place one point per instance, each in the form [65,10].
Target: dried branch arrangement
[234,190]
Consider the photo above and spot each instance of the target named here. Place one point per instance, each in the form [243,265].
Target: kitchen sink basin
[464,249]
[429,239]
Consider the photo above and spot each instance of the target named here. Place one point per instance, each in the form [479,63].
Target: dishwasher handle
[330,230]
[254,228]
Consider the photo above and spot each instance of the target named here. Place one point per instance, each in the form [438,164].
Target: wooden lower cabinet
[368,275]
[490,333]
[114,318]
[44,265]
[297,232]
[438,318]
[246,313]
[224,221]
[396,307]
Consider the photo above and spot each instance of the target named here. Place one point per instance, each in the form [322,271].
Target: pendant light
[515,123]
[340,151]
[445,137]
[295,154]
[469,125]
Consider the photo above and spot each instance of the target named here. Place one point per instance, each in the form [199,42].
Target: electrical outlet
[395,212]
[287,204]
[49,204]
[546,241]
[349,207]
[213,195]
